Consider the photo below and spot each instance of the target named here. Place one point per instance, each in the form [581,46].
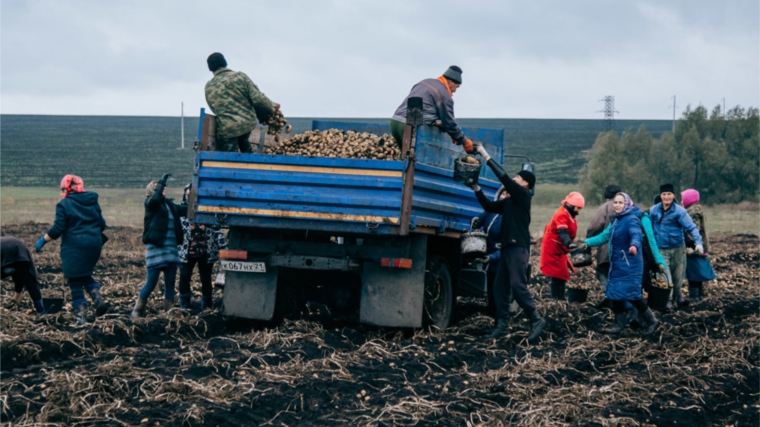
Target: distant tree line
[717,154]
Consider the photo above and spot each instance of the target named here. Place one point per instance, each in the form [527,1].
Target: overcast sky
[521,59]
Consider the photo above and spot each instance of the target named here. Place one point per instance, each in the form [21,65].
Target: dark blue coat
[79,222]
[492,227]
[626,271]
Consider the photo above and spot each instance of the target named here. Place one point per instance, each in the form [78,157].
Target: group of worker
[622,232]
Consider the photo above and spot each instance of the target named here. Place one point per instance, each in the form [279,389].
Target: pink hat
[71,184]
[575,199]
[689,197]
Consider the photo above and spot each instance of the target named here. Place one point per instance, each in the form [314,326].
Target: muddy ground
[699,369]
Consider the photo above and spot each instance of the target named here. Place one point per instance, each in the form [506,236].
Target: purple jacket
[437,105]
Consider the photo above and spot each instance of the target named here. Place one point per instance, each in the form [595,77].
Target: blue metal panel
[435,148]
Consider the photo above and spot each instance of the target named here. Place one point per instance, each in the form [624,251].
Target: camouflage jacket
[237,102]
[695,212]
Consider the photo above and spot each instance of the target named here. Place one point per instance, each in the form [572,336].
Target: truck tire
[439,296]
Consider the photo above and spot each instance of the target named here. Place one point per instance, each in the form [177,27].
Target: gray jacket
[600,221]
[437,105]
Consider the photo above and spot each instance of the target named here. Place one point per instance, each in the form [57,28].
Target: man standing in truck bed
[437,107]
[237,102]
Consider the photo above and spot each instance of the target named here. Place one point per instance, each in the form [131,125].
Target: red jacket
[554,260]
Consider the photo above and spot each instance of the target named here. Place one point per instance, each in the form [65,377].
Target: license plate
[244,267]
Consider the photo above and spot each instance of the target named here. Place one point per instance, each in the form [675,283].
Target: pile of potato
[337,143]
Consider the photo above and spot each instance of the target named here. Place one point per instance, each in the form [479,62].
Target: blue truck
[378,235]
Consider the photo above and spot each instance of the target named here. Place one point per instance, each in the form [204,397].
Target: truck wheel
[438,301]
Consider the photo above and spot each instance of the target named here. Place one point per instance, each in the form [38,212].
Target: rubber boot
[694,294]
[633,318]
[537,325]
[39,306]
[621,321]
[652,322]
[501,329]
[79,309]
[93,290]
[558,290]
[206,302]
[139,308]
[184,301]
[702,293]
[603,305]
[168,304]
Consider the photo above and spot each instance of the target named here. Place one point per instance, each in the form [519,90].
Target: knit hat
[454,74]
[71,184]
[528,177]
[611,190]
[216,61]
[151,188]
[667,188]
[575,199]
[689,197]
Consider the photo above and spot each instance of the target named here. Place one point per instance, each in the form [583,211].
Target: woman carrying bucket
[698,268]
[624,237]
[555,246]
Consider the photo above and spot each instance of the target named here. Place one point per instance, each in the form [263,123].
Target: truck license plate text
[244,267]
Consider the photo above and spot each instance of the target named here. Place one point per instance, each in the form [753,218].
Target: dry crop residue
[699,368]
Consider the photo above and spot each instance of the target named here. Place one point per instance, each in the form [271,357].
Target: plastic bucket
[473,244]
[658,298]
[581,258]
[466,173]
[577,295]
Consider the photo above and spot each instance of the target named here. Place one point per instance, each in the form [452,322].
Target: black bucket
[466,173]
[580,257]
[658,298]
[577,295]
[52,305]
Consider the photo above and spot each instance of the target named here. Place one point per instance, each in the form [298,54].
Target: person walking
[624,239]
[600,221]
[555,246]
[670,222]
[511,275]
[16,262]
[79,223]
[491,225]
[237,103]
[437,107]
[162,234]
[698,268]
[200,246]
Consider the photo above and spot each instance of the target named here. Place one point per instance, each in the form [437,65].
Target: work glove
[633,251]
[699,249]
[475,187]
[40,243]
[475,223]
[582,246]
[573,246]
[661,268]
[689,251]
[482,151]
[468,146]
[165,178]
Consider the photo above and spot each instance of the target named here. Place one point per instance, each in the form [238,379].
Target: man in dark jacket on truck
[511,275]
[237,103]
[437,107]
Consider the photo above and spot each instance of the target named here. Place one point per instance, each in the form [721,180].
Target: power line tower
[609,112]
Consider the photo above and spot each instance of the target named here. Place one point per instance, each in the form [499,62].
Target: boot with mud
[634,320]
[139,308]
[168,304]
[651,320]
[621,322]
[93,290]
[79,309]
[206,302]
[501,329]
[184,301]
[537,325]
[695,291]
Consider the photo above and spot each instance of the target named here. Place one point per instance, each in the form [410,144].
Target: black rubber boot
[207,302]
[695,294]
[603,305]
[101,307]
[621,321]
[501,329]
[652,322]
[537,325]
[633,318]
[558,290]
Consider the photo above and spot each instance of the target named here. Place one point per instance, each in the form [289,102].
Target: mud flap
[394,296]
[250,295]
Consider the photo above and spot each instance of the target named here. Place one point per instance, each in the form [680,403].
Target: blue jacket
[626,271]
[79,222]
[670,225]
[646,224]
[492,227]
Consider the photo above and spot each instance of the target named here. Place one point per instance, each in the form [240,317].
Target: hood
[498,193]
[633,210]
[86,198]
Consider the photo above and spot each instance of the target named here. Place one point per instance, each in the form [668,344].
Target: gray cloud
[360,58]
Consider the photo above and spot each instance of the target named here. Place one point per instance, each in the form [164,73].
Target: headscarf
[628,204]
[689,197]
[71,184]
[575,199]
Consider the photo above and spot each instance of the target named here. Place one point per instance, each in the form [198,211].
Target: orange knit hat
[574,199]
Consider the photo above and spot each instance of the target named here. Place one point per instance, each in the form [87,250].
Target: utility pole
[674,113]
[609,112]
[724,107]
[182,124]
